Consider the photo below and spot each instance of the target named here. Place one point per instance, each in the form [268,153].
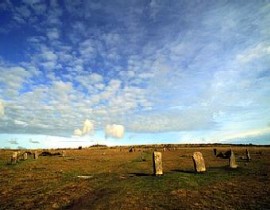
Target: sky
[80,72]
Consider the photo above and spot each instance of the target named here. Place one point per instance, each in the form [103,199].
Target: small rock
[55,206]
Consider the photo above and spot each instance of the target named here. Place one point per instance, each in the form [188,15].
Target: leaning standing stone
[232,161]
[14,157]
[35,155]
[157,163]
[198,162]
[248,155]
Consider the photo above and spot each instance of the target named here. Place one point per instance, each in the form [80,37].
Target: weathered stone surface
[35,155]
[14,158]
[248,155]
[232,161]
[198,161]
[63,153]
[25,156]
[157,163]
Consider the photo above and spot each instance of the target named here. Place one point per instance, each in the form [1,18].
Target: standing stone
[63,153]
[198,162]
[157,163]
[248,155]
[131,149]
[232,161]
[215,151]
[35,155]
[25,156]
[18,153]
[14,158]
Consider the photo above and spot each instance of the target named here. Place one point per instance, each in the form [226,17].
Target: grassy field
[114,178]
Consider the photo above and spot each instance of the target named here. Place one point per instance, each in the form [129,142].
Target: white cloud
[115,131]
[53,34]
[154,6]
[77,132]
[87,49]
[88,127]
[189,119]
[20,123]
[37,6]
[253,53]
[48,55]
[31,2]
[95,78]
[24,11]
[245,134]
[12,79]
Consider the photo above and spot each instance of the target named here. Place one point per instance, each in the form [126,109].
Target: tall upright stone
[248,155]
[232,161]
[157,163]
[14,157]
[198,161]
[25,156]
[215,151]
[35,155]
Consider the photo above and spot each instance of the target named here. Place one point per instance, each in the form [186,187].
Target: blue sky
[80,72]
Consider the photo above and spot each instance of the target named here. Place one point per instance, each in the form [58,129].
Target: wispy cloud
[247,134]
[13,141]
[33,141]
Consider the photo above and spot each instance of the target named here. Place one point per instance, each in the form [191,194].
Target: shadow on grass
[184,171]
[223,168]
[209,169]
[139,174]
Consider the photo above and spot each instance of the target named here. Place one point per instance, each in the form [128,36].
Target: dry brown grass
[122,180]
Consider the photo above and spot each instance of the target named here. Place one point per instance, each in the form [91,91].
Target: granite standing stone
[157,163]
[14,158]
[248,155]
[63,153]
[198,161]
[25,156]
[232,161]
[35,155]
[131,149]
